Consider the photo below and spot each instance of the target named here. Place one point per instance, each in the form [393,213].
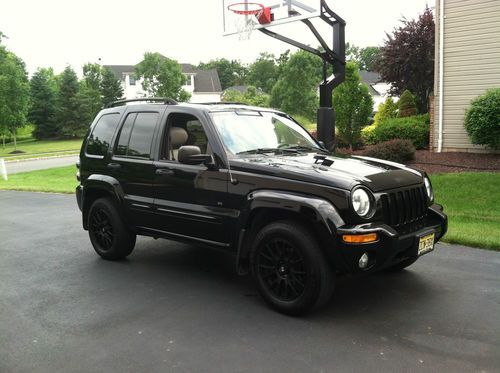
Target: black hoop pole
[333,56]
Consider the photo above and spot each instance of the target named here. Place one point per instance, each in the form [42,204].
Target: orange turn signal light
[360,238]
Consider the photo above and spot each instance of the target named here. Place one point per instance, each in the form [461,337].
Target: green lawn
[471,200]
[59,180]
[472,203]
[36,148]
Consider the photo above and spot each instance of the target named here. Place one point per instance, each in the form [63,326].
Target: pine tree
[43,103]
[407,105]
[111,88]
[66,117]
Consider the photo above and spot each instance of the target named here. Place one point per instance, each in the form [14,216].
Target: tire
[290,271]
[401,265]
[109,236]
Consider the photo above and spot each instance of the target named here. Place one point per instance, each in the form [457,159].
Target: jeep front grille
[405,209]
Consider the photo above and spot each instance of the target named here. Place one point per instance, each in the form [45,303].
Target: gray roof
[204,80]
[207,81]
[370,77]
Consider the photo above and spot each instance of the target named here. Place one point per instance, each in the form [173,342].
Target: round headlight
[428,188]
[361,202]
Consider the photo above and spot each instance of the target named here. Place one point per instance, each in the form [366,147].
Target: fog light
[363,261]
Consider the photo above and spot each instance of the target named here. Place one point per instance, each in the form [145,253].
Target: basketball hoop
[254,14]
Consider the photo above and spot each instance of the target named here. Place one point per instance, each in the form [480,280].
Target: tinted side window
[122,145]
[136,136]
[100,138]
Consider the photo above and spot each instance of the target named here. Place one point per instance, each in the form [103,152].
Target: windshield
[252,131]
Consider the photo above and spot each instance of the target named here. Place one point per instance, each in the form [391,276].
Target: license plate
[426,244]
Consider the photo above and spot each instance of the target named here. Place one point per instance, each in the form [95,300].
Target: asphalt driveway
[14,167]
[174,307]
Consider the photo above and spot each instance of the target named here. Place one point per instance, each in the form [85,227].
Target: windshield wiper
[307,148]
[269,150]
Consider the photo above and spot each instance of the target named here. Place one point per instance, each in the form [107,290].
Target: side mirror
[322,144]
[190,154]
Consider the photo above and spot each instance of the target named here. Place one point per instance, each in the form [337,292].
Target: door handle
[114,166]
[164,172]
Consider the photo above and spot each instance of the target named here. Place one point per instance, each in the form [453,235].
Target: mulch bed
[432,162]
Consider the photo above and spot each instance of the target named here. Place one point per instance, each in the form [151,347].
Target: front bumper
[392,246]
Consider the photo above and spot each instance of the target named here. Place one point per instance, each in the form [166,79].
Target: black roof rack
[162,100]
[222,103]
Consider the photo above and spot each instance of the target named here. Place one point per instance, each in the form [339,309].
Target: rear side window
[136,136]
[100,138]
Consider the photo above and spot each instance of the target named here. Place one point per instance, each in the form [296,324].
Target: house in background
[467,63]
[203,85]
[378,89]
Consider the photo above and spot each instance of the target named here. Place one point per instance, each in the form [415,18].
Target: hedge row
[414,129]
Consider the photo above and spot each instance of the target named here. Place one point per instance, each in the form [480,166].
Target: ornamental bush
[482,120]
[415,129]
[396,150]
[407,105]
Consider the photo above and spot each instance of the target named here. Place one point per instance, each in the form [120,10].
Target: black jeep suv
[252,181]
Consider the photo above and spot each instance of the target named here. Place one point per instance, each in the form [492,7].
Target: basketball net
[246,24]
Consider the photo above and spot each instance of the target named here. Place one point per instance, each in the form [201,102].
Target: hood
[344,172]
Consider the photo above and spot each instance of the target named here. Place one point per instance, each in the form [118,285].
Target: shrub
[407,105]
[482,120]
[415,128]
[387,109]
[396,150]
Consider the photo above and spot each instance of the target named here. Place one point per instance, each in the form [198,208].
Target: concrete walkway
[14,167]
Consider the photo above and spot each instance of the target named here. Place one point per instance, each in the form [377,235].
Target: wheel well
[261,217]
[90,196]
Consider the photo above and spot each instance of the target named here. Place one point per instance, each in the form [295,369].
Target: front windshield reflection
[252,130]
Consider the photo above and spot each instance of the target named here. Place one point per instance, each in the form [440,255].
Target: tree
[110,87]
[296,89]
[407,105]
[263,73]
[14,93]
[231,73]
[67,107]
[43,93]
[365,58]
[252,96]
[368,58]
[162,76]
[92,75]
[353,105]
[88,102]
[407,58]
[387,109]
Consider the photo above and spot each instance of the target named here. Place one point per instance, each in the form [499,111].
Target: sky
[55,33]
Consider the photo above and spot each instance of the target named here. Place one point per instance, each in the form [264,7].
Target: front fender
[320,212]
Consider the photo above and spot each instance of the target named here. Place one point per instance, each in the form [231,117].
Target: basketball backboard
[243,16]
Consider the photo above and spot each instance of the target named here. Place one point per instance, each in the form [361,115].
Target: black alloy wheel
[101,228]
[110,236]
[290,269]
[282,269]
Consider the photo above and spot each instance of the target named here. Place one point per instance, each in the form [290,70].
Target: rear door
[132,164]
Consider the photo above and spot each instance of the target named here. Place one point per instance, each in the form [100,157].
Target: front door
[190,198]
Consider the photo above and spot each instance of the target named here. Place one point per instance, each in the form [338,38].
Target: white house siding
[471,65]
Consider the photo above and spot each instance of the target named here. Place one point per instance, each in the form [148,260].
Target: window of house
[99,140]
[131,80]
[188,79]
[136,135]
